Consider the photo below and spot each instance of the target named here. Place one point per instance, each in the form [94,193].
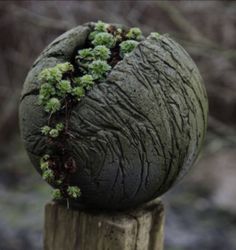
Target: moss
[105,39]
[101,52]
[127,47]
[60,85]
[134,33]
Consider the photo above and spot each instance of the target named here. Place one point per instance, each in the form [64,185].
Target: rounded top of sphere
[133,135]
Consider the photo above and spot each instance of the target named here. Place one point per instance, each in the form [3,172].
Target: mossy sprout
[59,126]
[98,69]
[46,91]
[105,39]
[134,33]
[51,75]
[101,26]
[65,67]
[64,87]
[52,132]
[53,105]
[98,28]
[78,93]
[56,194]
[127,47]
[85,54]
[118,35]
[73,192]
[44,164]
[87,81]
[101,52]
[48,175]
[45,130]
[45,157]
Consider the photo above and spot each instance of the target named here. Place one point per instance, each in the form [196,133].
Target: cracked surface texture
[135,134]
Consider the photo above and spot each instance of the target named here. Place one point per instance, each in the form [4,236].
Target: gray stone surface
[135,134]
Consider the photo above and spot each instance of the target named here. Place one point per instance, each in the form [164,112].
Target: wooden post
[137,229]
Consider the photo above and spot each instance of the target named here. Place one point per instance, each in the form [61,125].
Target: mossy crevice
[64,85]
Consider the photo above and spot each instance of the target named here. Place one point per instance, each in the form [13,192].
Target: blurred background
[201,209]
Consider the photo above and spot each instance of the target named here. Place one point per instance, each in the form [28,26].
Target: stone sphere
[133,135]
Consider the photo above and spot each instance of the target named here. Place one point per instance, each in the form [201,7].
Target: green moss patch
[63,86]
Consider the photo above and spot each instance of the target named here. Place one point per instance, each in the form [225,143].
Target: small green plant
[52,132]
[65,67]
[87,81]
[64,87]
[48,175]
[127,46]
[51,75]
[86,54]
[56,194]
[134,33]
[105,39]
[101,52]
[118,35]
[46,90]
[101,26]
[53,105]
[45,130]
[73,192]
[78,92]
[45,157]
[98,69]
[92,35]
[44,165]
[59,126]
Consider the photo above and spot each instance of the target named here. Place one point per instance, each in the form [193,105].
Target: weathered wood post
[137,229]
[111,120]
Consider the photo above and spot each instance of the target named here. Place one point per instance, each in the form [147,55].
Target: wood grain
[137,229]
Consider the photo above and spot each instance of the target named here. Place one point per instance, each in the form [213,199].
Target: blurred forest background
[201,210]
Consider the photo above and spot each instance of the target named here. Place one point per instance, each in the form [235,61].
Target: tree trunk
[137,229]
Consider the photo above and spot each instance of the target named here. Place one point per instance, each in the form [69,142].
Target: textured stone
[135,134]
